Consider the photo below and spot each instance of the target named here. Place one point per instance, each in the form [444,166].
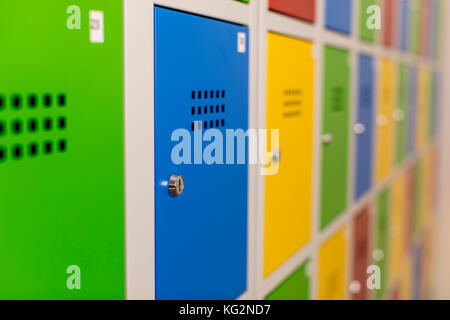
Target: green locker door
[61,154]
[414,20]
[400,115]
[365,33]
[294,287]
[381,235]
[335,126]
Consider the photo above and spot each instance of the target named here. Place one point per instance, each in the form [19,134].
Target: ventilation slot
[292,103]
[32,101]
[33,149]
[17,152]
[16,101]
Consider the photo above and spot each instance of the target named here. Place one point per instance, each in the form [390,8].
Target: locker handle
[398,115]
[355,287]
[276,155]
[359,128]
[382,120]
[327,138]
[273,156]
[377,255]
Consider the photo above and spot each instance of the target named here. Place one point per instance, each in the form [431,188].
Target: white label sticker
[96,21]
[241,42]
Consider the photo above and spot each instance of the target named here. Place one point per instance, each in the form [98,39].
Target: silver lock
[377,254]
[355,287]
[176,185]
[382,120]
[276,155]
[359,128]
[398,115]
[327,138]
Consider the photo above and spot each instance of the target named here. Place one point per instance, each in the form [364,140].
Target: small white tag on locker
[96,25]
[241,42]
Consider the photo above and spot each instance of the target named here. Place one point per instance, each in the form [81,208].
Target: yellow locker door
[333,267]
[397,228]
[290,103]
[406,288]
[385,131]
[423,107]
[428,188]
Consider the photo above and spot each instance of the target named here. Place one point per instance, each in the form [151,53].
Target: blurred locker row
[392,160]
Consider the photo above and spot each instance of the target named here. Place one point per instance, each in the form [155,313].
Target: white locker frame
[441,239]
[139,133]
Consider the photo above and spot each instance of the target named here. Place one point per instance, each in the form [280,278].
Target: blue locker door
[339,15]
[201,82]
[412,110]
[404,23]
[364,127]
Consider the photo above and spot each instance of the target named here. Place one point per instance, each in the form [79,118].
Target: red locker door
[361,254]
[302,9]
[389,22]
[395,293]
[424,27]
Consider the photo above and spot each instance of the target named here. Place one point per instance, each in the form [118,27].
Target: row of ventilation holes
[211,124]
[205,109]
[33,149]
[17,125]
[32,101]
[204,94]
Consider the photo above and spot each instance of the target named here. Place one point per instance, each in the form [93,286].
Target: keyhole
[176,185]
